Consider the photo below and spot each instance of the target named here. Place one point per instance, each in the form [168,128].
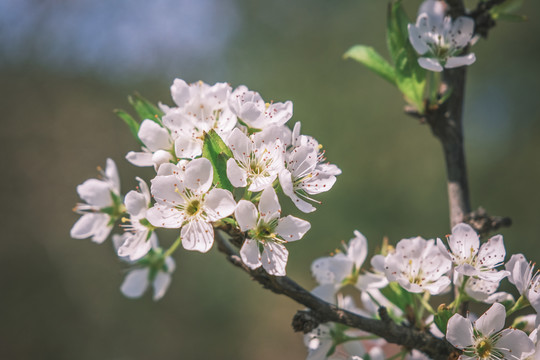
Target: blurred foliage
[60,297]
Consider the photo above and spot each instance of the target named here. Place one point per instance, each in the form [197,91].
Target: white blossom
[526,280]
[418,266]
[184,200]
[439,39]
[470,258]
[256,160]
[158,146]
[249,107]
[136,237]
[267,231]
[485,339]
[100,210]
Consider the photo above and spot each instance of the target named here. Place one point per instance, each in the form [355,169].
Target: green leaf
[397,295]
[410,77]
[510,17]
[215,150]
[441,318]
[145,109]
[132,124]
[372,60]
[506,7]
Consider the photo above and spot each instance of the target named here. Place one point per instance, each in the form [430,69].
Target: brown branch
[322,312]
[482,16]
[484,224]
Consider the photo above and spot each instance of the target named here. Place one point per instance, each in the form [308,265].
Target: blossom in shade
[267,232]
[102,205]
[256,160]
[137,233]
[526,280]
[418,266]
[470,258]
[252,110]
[485,338]
[185,200]
[439,39]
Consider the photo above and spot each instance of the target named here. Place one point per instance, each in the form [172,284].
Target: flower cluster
[219,156]
[404,277]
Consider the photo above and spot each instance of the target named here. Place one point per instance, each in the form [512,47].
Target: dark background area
[65,65]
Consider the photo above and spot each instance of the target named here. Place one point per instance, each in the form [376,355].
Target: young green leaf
[215,150]
[442,317]
[397,295]
[145,109]
[372,60]
[132,124]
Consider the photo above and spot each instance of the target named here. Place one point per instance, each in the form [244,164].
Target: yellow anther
[177,190]
[125,219]
[410,261]
[267,105]
[320,146]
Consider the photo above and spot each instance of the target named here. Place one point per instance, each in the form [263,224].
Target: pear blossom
[201,108]
[136,242]
[483,290]
[185,201]
[158,146]
[344,267]
[470,258]
[267,232]
[251,109]
[418,266]
[304,173]
[439,39]
[153,270]
[485,339]
[526,280]
[102,205]
[256,161]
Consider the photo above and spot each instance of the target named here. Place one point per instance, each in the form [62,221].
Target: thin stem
[173,247]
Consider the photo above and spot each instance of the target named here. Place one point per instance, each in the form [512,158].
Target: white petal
[167,190]
[357,249]
[250,254]
[459,332]
[140,158]
[287,186]
[85,226]
[135,246]
[136,203]
[514,344]
[246,215]
[430,64]
[235,174]
[180,92]
[492,320]
[318,183]
[219,203]
[291,228]
[262,182]
[111,173]
[135,283]
[325,292]
[416,40]
[240,145]
[166,217]
[269,204]
[457,61]
[95,192]
[464,241]
[274,259]
[161,157]
[161,284]
[462,31]
[153,136]
[187,147]
[492,253]
[197,235]
[199,175]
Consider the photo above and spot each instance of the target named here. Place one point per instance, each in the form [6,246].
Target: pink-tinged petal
[416,40]
[236,175]
[492,320]
[199,175]
[250,254]
[219,203]
[430,64]
[269,204]
[197,235]
[180,92]
[166,217]
[167,190]
[464,241]
[357,249]
[514,344]
[153,136]
[457,61]
[135,283]
[161,284]
[140,158]
[240,145]
[492,253]
[291,228]
[111,173]
[136,203]
[274,259]
[459,332]
[187,147]
[95,192]
[246,215]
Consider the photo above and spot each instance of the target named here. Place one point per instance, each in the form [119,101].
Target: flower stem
[173,247]
[521,303]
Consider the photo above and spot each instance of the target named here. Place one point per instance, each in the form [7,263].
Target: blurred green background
[65,65]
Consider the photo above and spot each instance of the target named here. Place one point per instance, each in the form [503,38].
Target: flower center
[484,348]
[193,207]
